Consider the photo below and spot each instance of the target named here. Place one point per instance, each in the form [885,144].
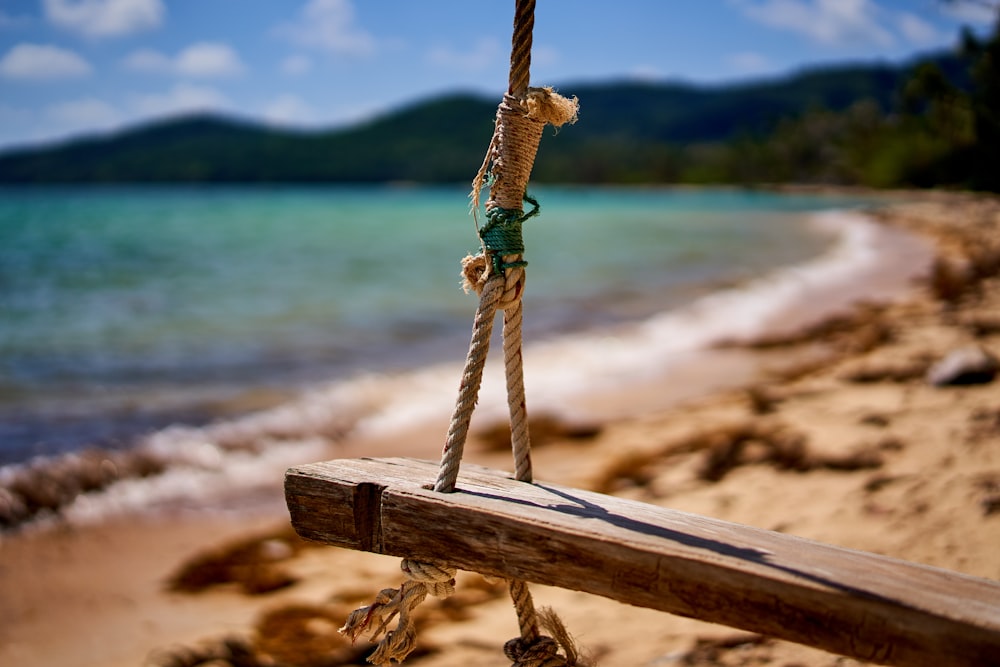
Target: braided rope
[514,368]
[498,275]
[472,376]
[521,118]
[527,619]
[520,52]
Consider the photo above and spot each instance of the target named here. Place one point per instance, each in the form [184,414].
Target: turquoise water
[123,309]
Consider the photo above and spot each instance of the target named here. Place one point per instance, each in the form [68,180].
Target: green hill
[628,131]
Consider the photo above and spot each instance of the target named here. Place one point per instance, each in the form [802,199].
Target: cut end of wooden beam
[854,603]
[358,523]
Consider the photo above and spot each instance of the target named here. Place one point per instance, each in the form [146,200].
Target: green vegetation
[942,130]
[929,123]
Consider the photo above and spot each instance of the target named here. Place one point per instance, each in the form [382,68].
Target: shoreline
[109,400]
[904,496]
[589,374]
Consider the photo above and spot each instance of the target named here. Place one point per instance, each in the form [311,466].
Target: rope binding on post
[502,235]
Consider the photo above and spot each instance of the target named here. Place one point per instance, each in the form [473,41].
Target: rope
[497,274]
[514,370]
[527,619]
[517,132]
[520,51]
[544,651]
[468,391]
[521,118]
[422,579]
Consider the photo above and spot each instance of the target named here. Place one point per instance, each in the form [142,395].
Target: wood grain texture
[854,603]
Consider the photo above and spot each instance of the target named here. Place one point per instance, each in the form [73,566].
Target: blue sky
[69,67]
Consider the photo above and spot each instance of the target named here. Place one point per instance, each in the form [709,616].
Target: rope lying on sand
[497,274]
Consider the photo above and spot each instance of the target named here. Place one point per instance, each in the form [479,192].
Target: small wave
[180,466]
[867,261]
[193,467]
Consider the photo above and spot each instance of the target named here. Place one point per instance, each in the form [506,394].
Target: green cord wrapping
[502,234]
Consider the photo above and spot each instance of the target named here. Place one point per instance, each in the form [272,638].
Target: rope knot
[500,257]
[439,579]
[540,652]
[534,650]
[501,235]
[475,271]
[422,578]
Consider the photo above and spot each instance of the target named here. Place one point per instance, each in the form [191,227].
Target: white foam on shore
[866,261]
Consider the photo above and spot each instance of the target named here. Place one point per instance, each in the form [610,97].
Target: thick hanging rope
[497,274]
[521,117]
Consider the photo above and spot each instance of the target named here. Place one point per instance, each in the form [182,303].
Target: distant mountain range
[624,128]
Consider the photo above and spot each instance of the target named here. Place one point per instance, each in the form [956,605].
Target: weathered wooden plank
[854,603]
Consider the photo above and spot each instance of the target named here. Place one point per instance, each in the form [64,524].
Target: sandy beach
[829,430]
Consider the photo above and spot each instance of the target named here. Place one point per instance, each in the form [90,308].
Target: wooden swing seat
[850,602]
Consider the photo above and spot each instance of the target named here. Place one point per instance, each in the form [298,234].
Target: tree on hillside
[985,102]
[963,125]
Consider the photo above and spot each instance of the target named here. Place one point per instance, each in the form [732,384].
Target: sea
[175,318]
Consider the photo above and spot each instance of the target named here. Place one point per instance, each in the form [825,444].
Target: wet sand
[829,432]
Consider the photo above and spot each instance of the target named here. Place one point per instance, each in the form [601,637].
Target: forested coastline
[934,121]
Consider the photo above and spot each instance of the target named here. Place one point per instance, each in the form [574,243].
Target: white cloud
[485,53]
[289,110]
[207,59]
[105,18]
[916,30]
[971,11]
[829,22]
[329,25]
[203,60]
[749,62]
[296,65]
[42,61]
[182,98]
[88,112]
